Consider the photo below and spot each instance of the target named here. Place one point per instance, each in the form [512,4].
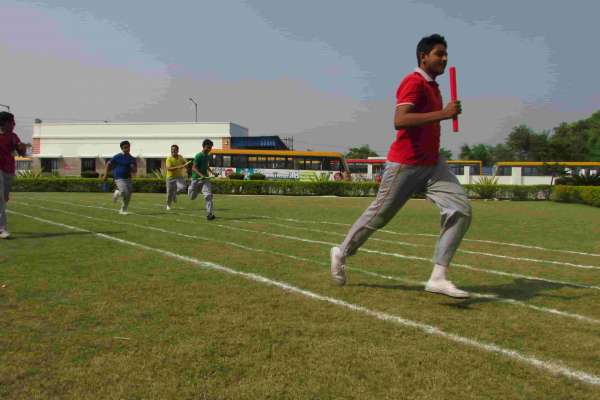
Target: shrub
[256,177]
[589,195]
[236,176]
[29,174]
[89,174]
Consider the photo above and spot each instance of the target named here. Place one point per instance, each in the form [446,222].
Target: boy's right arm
[405,118]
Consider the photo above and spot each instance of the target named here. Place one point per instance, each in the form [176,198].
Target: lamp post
[196,107]
[4,105]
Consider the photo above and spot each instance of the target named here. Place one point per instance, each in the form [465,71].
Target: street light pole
[196,107]
[7,107]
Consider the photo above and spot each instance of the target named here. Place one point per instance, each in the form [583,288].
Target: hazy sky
[324,72]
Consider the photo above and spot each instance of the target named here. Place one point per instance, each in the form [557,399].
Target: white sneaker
[338,269]
[447,288]
[123,212]
[168,208]
[116,195]
[4,235]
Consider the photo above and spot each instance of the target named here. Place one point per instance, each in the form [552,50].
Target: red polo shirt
[418,145]
[8,142]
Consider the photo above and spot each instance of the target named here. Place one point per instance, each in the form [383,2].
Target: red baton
[453,96]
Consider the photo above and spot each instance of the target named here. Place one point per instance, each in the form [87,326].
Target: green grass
[86,317]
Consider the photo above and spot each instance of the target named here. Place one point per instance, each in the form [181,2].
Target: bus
[23,163]
[541,172]
[279,164]
[372,168]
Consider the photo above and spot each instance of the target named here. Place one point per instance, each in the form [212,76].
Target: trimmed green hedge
[220,186]
[589,195]
[509,192]
[579,194]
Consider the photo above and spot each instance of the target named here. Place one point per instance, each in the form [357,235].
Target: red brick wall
[36,146]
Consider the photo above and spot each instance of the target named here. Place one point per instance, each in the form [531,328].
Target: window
[23,165]
[153,164]
[49,165]
[332,164]
[278,162]
[88,164]
[239,161]
[457,169]
[504,171]
[358,168]
[313,163]
[257,162]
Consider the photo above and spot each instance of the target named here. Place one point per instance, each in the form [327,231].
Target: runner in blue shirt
[122,165]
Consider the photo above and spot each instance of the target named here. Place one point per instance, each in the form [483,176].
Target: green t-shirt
[201,163]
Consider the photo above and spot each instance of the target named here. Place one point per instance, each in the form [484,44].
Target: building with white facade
[73,148]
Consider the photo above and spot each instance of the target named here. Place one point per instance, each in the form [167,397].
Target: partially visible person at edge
[414,165]
[9,144]
[201,178]
[122,166]
[176,173]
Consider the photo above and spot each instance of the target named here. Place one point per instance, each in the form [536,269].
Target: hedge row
[509,192]
[589,195]
[579,194]
[220,186]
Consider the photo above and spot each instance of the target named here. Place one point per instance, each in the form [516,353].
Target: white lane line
[525,246]
[363,249]
[553,367]
[533,260]
[365,272]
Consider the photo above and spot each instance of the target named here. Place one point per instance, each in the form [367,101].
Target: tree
[482,152]
[447,154]
[361,152]
[465,152]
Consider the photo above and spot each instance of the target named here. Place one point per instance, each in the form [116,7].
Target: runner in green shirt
[200,178]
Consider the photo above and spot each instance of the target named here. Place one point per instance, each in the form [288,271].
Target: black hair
[174,145]
[207,142]
[5,117]
[427,44]
[123,143]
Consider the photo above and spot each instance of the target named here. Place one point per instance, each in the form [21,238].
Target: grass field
[161,304]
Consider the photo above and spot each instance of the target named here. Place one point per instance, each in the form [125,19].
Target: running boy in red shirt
[9,143]
[414,164]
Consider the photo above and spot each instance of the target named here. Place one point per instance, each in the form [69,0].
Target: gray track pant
[174,185]
[125,187]
[5,184]
[202,185]
[398,184]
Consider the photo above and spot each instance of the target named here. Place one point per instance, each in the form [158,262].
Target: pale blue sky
[324,72]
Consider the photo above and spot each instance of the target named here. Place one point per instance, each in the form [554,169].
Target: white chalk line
[363,249]
[365,272]
[551,366]
[485,254]
[525,246]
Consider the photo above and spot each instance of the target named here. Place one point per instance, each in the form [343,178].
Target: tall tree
[465,152]
[363,151]
[447,154]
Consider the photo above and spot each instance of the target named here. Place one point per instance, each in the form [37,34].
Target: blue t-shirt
[121,165]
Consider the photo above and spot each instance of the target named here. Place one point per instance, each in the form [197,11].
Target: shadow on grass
[519,289]
[43,235]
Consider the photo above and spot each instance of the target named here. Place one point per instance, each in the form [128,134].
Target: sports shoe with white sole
[168,208]
[447,288]
[4,235]
[116,195]
[338,269]
[123,211]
